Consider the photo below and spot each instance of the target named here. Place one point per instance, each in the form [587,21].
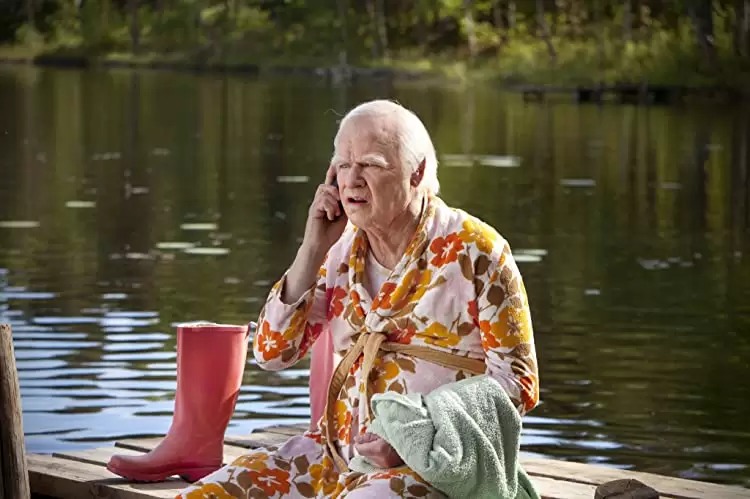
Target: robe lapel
[379,313]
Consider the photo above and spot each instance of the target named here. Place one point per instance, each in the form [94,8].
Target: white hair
[414,142]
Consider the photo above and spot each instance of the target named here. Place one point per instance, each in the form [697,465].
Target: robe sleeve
[287,331]
[502,311]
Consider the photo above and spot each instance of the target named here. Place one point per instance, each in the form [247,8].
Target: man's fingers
[366,437]
[379,453]
[327,191]
[330,175]
[328,204]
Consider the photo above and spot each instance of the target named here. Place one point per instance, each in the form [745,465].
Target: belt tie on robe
[371,343]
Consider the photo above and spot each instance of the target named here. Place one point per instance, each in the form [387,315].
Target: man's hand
[377,451]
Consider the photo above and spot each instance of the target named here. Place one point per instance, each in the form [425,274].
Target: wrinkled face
[375,188]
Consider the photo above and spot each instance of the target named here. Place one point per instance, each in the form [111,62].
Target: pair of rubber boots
[210,364]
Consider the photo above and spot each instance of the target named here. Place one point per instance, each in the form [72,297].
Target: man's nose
[354,176]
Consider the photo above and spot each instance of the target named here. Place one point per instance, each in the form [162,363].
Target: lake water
[632,226]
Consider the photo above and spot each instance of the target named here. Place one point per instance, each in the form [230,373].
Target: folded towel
[462,438]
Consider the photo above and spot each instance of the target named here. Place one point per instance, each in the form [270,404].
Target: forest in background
[686,42]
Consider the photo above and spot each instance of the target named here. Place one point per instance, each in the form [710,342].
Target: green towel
[462,438]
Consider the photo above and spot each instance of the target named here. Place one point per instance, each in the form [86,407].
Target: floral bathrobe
[457,289]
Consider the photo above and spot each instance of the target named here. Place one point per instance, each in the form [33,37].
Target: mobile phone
[335,183]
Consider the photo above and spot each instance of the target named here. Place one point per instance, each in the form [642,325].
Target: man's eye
[345,165]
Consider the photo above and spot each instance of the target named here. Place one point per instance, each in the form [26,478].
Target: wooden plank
[251,441]
[65,479]
[138,446]
[99,456]
[547,487]
[256,439]
[550,488]
[81,474]
[88,466]
[596,475]
[553,479]
[289,430]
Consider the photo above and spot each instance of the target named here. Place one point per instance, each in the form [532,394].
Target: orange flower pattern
[270,480]
[300,469]
[446,249]
[383,300]
[337,304]
[456,289]
[270,343]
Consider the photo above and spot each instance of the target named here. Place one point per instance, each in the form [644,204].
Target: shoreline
[633,92]
[186,64]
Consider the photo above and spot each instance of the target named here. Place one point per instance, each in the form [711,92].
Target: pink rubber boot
[210,363]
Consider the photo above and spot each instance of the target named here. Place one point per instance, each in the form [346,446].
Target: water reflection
[132,201]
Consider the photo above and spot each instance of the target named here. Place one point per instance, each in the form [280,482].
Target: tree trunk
[497,14]
[343,7]
[700,11]
[638,18]
[741,27]
[228,17]
[382,27]
[135,30]
[378,28]
[544,29]
[376,53]
[599,27]
[511,15]
[627,20]
[30,10]
[470,29]
[424,25]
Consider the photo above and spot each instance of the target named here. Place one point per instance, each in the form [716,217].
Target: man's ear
[418,174]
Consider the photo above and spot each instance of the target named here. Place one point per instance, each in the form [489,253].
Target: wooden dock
[82,474]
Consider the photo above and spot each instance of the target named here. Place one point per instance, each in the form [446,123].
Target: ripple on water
[27,295]
[64,321]
[41,334]
[27,355]
[126,322]
[139,356]
[54,345]
[131,346]
[137,337]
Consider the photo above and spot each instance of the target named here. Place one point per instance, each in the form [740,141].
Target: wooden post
[14,477]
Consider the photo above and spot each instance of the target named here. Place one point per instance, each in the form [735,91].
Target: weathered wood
[252,441]
[64,479]
[256,440]
[14,479]
[285,429]
[231,452]
[595,475]
[99,456]
[548,488]
[625,489]
[82,474]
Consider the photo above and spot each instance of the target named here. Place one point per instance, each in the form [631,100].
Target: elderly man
[414,294]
